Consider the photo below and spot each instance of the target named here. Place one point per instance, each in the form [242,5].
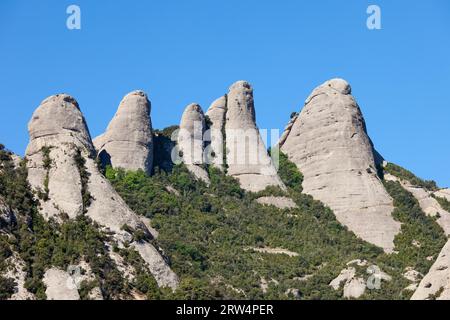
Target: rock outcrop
[329,144]
[190,141]
[128,140]
[215,133]
[63,172]
[60,285]
[443,193]
[230,139]
[437,281]
[247,157]
[429,205]
[278,202]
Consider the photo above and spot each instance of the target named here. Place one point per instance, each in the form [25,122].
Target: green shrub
[404,174]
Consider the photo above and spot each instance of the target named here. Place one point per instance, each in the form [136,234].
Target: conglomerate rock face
[63,172]
[191,145]
[215,135]
[329,144]
[437,281]
[128,140]
[247,157]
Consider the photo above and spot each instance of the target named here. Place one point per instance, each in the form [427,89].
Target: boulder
[128,140]
[329,144]
[60,285]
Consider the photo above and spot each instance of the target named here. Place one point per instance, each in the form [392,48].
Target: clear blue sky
[191,51]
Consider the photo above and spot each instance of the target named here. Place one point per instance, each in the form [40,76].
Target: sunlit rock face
[63,172]
[191,144]
[247,157]
[329,144]
[128,140]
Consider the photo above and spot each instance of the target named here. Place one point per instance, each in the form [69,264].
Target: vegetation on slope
[420,237]
[404,174]
[209,232]
[44,244]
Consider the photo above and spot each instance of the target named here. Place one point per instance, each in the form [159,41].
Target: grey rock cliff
[128,141]
[215,135]
[329,144]
[190,140]
[233,122]
[247,157]
[61,163]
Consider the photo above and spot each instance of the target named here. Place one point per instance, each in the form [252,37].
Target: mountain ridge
[167,225]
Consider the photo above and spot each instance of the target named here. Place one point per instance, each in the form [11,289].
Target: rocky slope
[222,241]
[329,144]
[435,283]
[128,140]
[63,172]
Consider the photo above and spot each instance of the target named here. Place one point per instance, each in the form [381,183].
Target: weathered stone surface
[329,144]
[59,126]
[16,271]
[287,129]
[65,139]
[354,288]
[354,285]
[412,275]
[164,276]
[215,134]
[437,280]
[60,285]
[443,193]
[279,202]
[247,157]
[190,140]
[128,140]
[427,203]
[343,277]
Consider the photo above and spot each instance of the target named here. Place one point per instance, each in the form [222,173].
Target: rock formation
[190,141]
[233,130]
[279,202]
[329,144]
[429,205]
[443,193]
[247,157]
[60,285]
[128,141]
[437,281]
[63,173]
[215,135]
